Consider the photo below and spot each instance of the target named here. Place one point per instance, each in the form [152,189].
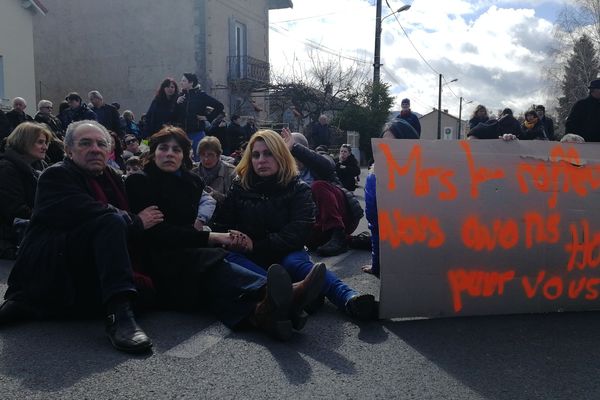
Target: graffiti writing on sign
[562,174]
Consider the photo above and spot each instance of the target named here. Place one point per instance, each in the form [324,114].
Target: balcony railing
[247,68]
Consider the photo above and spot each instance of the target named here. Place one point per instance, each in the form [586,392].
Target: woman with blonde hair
[20,167]
[275,211]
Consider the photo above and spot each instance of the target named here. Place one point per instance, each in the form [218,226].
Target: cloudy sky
[496,49]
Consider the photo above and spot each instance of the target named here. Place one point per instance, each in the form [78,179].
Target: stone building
[125,49]
[17,77]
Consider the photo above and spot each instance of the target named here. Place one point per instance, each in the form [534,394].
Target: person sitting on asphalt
[186,272]
[74,258]
[338,211]
[20,167]
[216,173]
[347,168]
[275,210]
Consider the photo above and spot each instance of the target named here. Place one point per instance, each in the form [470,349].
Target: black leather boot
[272,313]
[336,244]
[123,331]
[306,292]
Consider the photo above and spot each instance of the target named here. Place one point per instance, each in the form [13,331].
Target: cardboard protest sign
[487,227]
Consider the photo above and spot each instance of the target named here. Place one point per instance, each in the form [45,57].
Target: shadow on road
[547,356]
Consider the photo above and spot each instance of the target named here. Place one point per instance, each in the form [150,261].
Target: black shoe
[124,333]
[305,292]
[336,244]
[272,313]
[12,311]
[362,307]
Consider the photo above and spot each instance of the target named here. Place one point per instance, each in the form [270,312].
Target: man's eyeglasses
[87,143]
[47,107]
[130,141]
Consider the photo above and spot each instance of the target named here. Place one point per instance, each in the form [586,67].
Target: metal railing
[247,68]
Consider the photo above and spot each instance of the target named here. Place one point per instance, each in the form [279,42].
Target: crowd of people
[182,210]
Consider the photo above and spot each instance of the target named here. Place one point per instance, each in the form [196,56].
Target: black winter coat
[4,125]
[64,201]
[195,104]
[347,171]
[278,219]
[508,124]
[160,113]
[109,117]
[15,118]
[175,254]
[536,133]
[52,122]
[79,114]
[584,119]
[18,182]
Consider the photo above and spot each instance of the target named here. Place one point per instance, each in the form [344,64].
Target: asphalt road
[550,356]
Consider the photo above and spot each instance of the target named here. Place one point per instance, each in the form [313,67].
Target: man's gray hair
[74,126]
[44,103]
[94,94]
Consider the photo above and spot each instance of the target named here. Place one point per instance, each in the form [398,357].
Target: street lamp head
[453,80]
[403,8]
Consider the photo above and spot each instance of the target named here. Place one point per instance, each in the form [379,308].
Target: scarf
[530,125]
[106,191]
[405,113]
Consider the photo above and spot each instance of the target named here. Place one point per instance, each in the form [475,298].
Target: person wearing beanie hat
[584,118]
[407,115]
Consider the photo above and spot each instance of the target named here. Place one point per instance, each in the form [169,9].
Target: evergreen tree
[582,67]
[367,114]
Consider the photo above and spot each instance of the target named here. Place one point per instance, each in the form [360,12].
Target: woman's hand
[507,137]
[181,99]
[151,216]
[288,138]
[240,242]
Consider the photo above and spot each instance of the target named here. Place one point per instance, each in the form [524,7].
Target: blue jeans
[196,137]
[298,265]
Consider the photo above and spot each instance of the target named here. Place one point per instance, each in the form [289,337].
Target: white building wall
[16,50]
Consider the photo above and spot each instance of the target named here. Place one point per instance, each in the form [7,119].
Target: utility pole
[439,133]
[376,61]
[459,118]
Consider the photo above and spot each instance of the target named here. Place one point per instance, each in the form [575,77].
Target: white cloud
[496,49]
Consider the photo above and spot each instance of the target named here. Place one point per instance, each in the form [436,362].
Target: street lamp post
[377,59]
[439,130]
[460,116]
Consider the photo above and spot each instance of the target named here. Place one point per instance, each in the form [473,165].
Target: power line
[317,46]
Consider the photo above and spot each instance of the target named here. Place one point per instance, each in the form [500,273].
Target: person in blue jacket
[399,129]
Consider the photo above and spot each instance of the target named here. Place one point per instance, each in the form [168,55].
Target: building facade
[17,77]
[450,123]
[125,49]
